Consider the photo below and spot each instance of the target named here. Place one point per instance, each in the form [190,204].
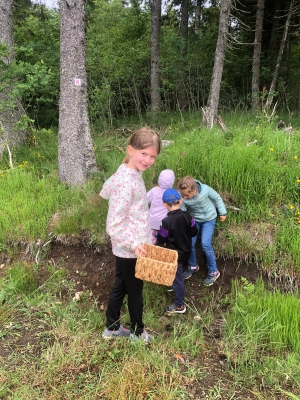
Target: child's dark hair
[187,183]
[173,203]
[143,138]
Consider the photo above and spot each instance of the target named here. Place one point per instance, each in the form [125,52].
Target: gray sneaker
[145,337]
[121,332]
[210,279]
[189,272]
[172,309]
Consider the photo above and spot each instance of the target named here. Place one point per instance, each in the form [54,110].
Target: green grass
[262,333]
[257,171]
[274,317]
[67,358]
[255,167]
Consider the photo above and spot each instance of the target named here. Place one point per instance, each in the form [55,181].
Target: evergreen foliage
[118,59]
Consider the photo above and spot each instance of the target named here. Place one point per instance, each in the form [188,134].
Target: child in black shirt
[176,231]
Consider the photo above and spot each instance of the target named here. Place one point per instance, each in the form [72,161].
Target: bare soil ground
[94,271]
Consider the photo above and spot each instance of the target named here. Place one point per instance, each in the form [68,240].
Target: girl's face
[188,194]
[140,160]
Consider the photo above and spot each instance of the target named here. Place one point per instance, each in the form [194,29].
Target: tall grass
[21,280]
[34,203]
[260,173]
[252,165]
[262,328]
[274,316]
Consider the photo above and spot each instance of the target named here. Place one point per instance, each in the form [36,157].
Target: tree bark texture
[257,54]
[279,57]
[154,45]
[76,158]
[10,110]
[184,20]
[210,111]
[299,60]
[198,12]
[279,6]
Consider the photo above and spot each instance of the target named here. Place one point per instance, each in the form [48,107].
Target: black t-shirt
[176,231]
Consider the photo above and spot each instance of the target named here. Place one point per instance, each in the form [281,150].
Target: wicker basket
[159,265]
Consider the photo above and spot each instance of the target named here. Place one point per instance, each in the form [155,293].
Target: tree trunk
[198,12]
[299,60]
[184,19]
[10,109]
[276,29]
[279,57]
[155,37]
[256,54]
[76,158]
[209,113]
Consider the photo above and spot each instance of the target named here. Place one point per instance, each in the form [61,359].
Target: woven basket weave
[159,265]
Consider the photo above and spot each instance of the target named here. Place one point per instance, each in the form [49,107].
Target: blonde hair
[143,138]
[187,183]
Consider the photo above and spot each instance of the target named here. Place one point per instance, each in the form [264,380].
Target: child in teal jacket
[203,202]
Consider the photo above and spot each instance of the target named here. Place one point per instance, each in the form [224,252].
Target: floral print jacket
[127,221]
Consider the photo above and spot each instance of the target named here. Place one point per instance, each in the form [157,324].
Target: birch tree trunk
[76,158]
[155,37]
[209,113]
[256,54]
[279,58]
[10,109]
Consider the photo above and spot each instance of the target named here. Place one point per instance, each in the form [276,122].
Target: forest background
[118,58]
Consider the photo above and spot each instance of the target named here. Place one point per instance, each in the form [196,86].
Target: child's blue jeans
[205,232]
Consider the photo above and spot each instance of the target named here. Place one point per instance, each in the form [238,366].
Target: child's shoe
[172,309]
[170,289]
[190,271]
[145,337]
[121,332]
[210,279]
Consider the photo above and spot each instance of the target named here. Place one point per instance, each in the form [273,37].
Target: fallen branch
[221,123]
[233,208]
[254,141]
[10,157]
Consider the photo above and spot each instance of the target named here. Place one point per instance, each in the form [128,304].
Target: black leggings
[126,283]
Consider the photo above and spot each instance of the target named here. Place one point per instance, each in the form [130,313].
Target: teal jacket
[205,204]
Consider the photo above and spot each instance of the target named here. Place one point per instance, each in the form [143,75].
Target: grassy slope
[256,169]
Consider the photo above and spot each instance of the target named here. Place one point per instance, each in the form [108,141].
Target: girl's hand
[139,250]
[222,218]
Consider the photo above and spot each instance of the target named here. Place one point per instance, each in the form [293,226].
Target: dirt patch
[246,241]
[89,269]
[93,271]
[90,272]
